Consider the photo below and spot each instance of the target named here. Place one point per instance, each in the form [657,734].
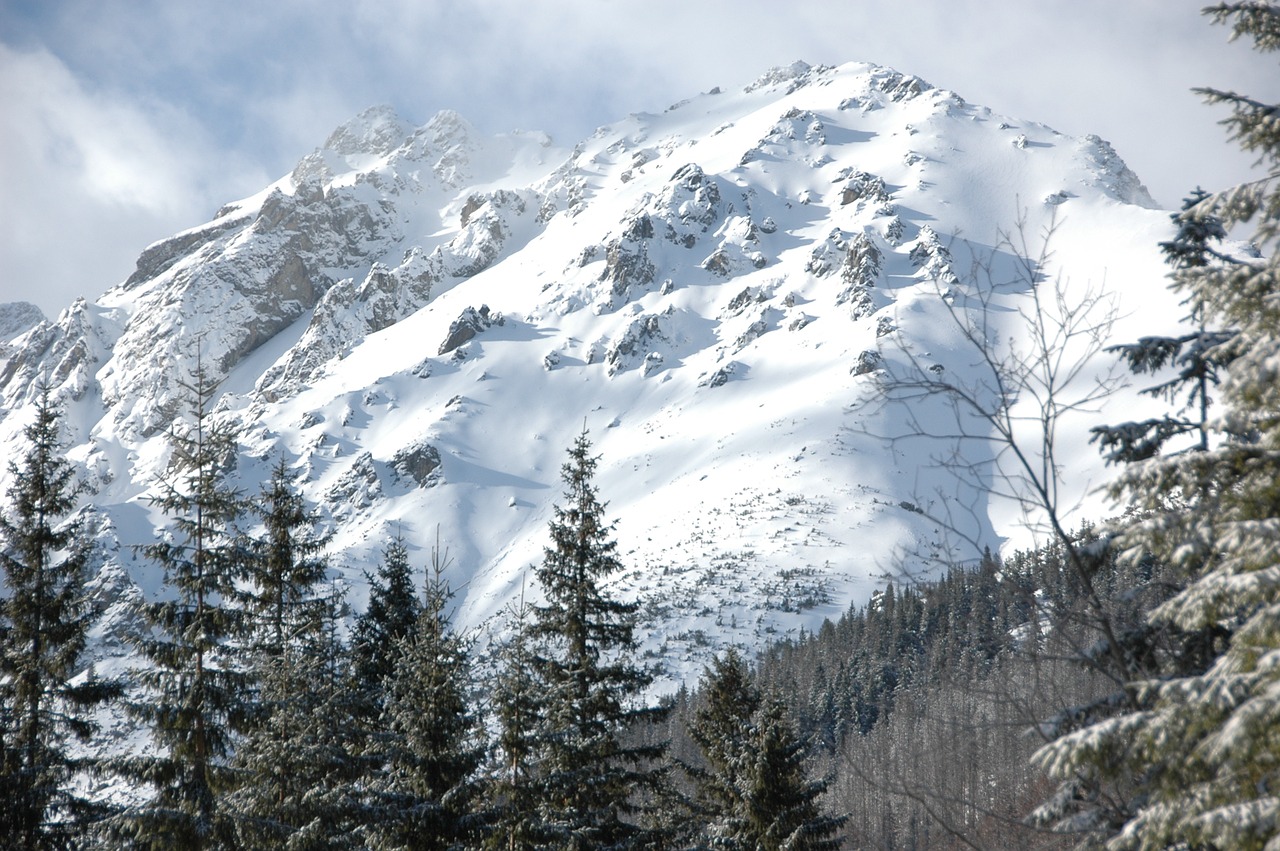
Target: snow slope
[419,320]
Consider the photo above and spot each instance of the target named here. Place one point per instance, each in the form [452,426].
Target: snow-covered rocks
[715,320]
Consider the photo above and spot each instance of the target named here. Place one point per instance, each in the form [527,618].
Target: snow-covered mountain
[420,319]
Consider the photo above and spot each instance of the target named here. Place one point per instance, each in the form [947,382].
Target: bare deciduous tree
[1027,364]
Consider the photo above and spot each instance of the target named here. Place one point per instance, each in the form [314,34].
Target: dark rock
[419,462]
[468,324]
[868,361]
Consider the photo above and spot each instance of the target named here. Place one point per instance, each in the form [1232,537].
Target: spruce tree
[44,618]
[390,617]
[1204,745]
[430,745]
[755,794]
[517,709]
[194,691]
[722,728]
[782,804]
[303,766]
[12,785]
[589,781]
[300,761]
[285,568]
[1105,789]
[1198,356]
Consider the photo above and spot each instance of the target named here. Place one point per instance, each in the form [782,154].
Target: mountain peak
[377,130]
[779,74]
[448,122]
[18,316]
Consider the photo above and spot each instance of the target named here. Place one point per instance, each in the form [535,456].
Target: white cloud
[87,180]
[1121,70]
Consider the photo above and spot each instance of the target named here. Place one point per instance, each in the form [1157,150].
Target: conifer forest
[1116,685]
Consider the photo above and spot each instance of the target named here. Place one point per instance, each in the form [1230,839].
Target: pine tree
[44,619]
[194,692]
[285,568]
[390,617]
[431,747]
[755,794]
[517,709]
[1198,356]
[1205,745]
[721,728]
[304,767]
[589,781]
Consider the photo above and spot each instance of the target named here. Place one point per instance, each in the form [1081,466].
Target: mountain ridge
[419,319]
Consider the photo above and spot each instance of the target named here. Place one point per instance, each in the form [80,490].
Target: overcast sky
[124,121]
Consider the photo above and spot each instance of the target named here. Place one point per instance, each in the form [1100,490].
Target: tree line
[901,724]
[270,730]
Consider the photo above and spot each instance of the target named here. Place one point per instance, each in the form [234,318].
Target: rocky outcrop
[688,205]
[419,463]
[788,77]
[627,264]
[723,375]
[862,266]
[629,348]
[932,258]
[864,189]
[377,130]
[469,323]
[867,361]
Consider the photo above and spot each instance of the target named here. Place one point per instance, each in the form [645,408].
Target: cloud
[87,180]
[1120,70]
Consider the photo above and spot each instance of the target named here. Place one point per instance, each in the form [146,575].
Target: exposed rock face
[358,487]
[1119,180]
[468,324]
[347,312]
[419,462]
[156,258]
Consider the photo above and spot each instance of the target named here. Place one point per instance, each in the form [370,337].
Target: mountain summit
[419,320]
